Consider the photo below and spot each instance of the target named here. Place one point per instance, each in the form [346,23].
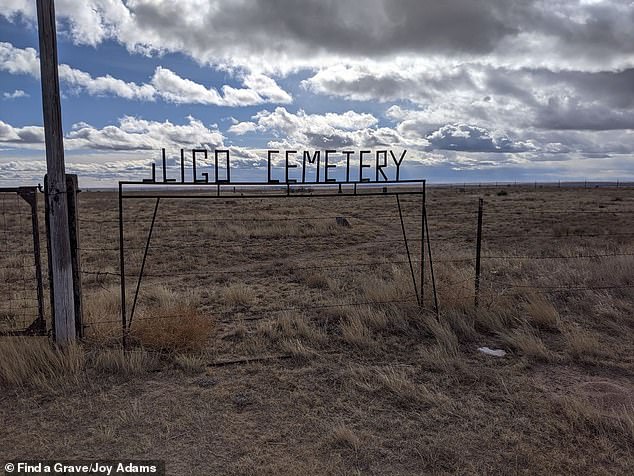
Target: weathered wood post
[60,259]
[72,189]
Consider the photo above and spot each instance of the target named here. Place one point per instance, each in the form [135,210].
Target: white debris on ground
[493,352]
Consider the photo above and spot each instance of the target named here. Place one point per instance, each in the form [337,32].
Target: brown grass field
[267,339]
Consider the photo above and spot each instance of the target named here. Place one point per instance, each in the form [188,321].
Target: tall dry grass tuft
[238,294]
[540,312]
[116,361]
[393,284]
[190,363]
[292,326]
[344,437]
[355,331]
[446,338]
[582,415]
[461,323]
[580,344]
[102,314]
[297,349]
[175,328]
[455,285]
[34,361]
[395,383]
[527,341]
[496,319]
[317,279]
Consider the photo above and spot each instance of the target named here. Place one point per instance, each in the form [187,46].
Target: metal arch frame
[280,190]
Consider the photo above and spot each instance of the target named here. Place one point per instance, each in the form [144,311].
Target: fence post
[73,225]
[59,248]
[478,252]
[29,194]
[73,230]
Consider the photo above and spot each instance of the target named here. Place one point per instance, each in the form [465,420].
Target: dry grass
[369,389]
[355,331]
[584,416]
[396,383]
[527,341]
[34,361]
[238,294]
[174,329]
[292,326]
[118,362]
[191,363]
[541,313]
[297,349]
[318,279]
[344,437]
[582,345]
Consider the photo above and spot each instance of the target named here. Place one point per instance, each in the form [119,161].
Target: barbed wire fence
[21,272]
[552,250]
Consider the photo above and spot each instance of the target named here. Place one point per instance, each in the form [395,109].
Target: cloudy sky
[473,89]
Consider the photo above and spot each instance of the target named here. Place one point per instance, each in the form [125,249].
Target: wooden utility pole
[61,266]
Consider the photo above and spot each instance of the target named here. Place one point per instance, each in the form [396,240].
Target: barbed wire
[254,312]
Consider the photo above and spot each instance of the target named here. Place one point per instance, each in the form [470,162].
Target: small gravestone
[342,221]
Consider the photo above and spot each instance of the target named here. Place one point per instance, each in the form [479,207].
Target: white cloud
[105,85]
[130,134]
[18,93]
[19,60]
[242,128]
[164,84]
[259,90]
[330,130]
[29,135]
[139,134]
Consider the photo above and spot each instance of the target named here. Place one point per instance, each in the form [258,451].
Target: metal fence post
[29,194]
[478,252]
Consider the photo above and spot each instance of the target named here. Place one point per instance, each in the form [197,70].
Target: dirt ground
[268,339]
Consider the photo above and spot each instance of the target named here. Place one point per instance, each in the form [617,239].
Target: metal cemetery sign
[305,167]
[289,173]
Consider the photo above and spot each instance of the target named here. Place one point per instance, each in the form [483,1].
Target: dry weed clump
[173,329]
[34,361]
[495,320]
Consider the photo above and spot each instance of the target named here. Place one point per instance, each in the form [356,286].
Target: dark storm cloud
[463,137]
[570,100]
[377,27]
